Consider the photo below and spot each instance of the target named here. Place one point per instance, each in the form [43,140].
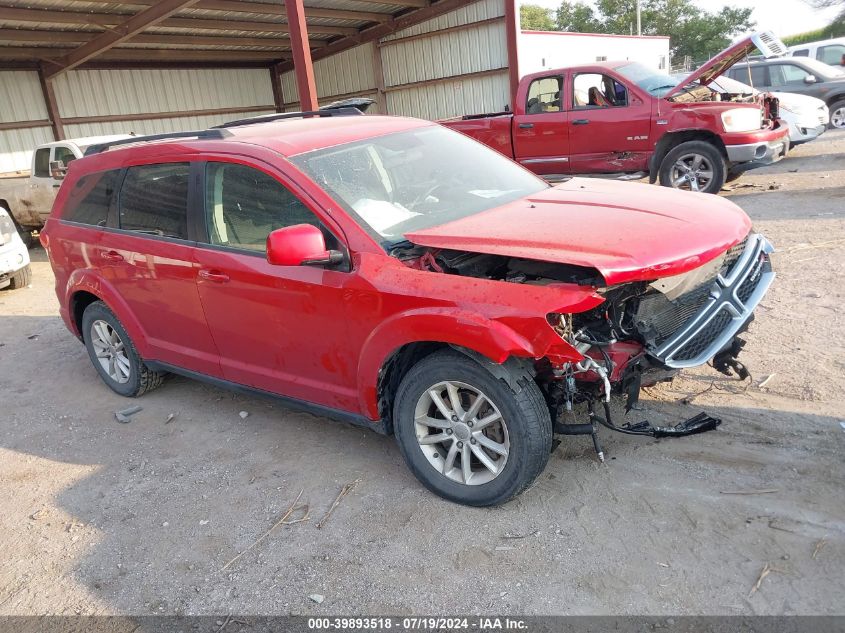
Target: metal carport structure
[55,38]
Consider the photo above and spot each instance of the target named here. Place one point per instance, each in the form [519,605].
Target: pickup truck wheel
[694,166]
[113,354]
[837,115]
[466,434]
[21,279]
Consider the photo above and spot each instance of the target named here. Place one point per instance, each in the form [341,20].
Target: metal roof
[33,32]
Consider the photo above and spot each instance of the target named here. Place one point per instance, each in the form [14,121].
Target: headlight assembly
[742,119]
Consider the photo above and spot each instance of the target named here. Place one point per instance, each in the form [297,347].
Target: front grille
[723,304]
[658,318]
[704,339]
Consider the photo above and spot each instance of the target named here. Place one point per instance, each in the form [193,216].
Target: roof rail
[291,115]
[203,134]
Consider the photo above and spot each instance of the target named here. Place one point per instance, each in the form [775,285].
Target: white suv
[14,256]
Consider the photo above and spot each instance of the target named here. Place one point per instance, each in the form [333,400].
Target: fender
[86,280]
[491,338]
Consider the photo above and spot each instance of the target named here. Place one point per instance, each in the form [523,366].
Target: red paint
[512,27]
[607,140]
[323,335]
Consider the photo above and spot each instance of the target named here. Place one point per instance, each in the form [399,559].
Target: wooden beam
[276,84]
[52,105]
[111,38]
[174,114]
[23,125]
[378,73]
[512,39]
[303,68]
[40,36]
[112,19]
[273,9]
[376,32]
[45,54]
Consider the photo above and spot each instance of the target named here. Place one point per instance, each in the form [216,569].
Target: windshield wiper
[390,245]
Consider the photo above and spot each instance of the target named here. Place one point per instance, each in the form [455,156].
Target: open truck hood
[765,41]
[626,231]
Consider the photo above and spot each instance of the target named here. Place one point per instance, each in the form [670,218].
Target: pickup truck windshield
[416,179]
[655,83]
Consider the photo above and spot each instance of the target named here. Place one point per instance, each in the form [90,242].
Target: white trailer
[545,50]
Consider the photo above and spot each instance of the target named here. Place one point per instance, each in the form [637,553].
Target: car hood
[791,98]
[765,41]
[626,231]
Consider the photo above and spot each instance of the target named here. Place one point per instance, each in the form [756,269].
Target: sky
[784,17]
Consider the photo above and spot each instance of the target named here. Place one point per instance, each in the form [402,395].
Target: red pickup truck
[626,119]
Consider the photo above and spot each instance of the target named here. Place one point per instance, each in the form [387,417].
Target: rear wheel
[837,115]
[113,354]
[694,166]
[22,278]
[466,434]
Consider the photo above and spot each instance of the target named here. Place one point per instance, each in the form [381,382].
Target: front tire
[694,166]
[21,279]
[114,355]
[837,115]
[467,435]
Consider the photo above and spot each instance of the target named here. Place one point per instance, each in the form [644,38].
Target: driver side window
[594,90]
[544,96]
[244,205]
[783,74]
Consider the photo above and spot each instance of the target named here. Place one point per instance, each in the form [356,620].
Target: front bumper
[13,256]
[803,131]
[751,155]
[730,306]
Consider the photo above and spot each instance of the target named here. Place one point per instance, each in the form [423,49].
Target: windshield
[417,179]
[652,81]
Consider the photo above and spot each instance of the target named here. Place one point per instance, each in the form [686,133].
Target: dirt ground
[98,517]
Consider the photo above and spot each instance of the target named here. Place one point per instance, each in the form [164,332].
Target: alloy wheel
[462,433]
[692,171]
[110,351]
[837,118]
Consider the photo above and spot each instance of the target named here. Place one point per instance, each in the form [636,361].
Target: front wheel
[694,166]
[114,355]
[837,115]
[467,435]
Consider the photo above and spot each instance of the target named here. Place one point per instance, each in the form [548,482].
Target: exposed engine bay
[642,334]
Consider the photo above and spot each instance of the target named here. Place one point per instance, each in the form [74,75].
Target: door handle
[213,275]
[112,256]
[580,121]
[526,126]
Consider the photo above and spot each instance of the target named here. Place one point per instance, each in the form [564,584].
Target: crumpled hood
[765,42]
[627,231]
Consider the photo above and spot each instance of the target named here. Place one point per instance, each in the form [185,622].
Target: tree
[533,17]
[693,31]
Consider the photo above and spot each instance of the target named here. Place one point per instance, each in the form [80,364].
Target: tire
[690,154]
[21,279]
[130,377]
[733,175]
[523,430]
[837,115]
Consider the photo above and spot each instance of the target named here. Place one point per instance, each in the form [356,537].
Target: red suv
[395,274]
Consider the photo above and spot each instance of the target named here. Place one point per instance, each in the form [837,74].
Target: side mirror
[58,169]
[300,245]
[810,79]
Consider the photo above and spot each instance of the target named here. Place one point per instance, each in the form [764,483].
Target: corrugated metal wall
[349,72]
[21,100]
[83,93]
[427,74]
[104,93]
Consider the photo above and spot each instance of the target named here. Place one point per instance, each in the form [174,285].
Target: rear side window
[42,162]
[154,199]
[802,52]
[91,197]
[244,205]
[544,96]
[831,54]
[752,75]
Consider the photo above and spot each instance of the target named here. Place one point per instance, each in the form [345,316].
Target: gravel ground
[98,517]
